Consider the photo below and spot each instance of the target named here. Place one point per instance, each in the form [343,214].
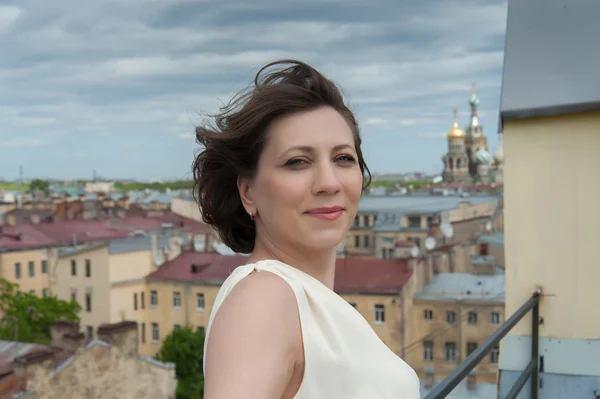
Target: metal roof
[141,243]
[418,204]
[496,239]
[463,286]
[551,58]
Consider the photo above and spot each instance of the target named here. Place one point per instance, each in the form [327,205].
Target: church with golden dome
[468,159]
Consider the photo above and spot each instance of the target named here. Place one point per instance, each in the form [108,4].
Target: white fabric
[344,357]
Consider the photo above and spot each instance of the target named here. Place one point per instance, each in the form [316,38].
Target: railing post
[535,337]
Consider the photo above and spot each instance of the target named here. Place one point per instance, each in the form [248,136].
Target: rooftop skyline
[117,88]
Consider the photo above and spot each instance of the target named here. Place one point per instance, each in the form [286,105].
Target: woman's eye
[294,162]
[346,158]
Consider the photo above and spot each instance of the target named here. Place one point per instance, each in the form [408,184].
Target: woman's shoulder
[261,310]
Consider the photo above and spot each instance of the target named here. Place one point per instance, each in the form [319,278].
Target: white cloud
[8,16]
[142,72]
[20,143]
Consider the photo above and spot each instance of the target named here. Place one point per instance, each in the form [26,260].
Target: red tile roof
[213,268]
[352,275]
[24,236]
[370,276]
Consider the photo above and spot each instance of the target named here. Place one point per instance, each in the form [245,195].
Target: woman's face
[308,183]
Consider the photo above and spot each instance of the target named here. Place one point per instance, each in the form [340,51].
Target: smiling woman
[280,177]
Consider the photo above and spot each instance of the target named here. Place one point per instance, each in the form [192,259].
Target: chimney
[65,335]
[153,243]
[122,335]
[32,364]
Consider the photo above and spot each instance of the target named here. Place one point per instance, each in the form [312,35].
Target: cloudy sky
[116,86]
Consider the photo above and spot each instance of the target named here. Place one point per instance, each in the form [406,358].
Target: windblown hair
[235,139]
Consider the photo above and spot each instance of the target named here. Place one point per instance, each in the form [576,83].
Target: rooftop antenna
[414,251]
[429,243]
[488,226]
[447,230]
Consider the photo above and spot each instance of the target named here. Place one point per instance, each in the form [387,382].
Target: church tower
[474,137]
[456,165]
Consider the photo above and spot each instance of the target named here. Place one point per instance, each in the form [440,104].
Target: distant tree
[185,348]
[39,185]
[27,318]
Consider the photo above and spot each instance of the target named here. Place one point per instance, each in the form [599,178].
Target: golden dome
[455,132]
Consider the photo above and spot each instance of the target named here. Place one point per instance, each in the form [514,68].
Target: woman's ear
[243,185]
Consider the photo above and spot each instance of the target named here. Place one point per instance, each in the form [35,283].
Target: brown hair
[234,142]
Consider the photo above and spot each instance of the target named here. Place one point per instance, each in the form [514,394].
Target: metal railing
[531,370]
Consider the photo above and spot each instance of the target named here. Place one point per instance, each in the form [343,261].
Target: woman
[280,177]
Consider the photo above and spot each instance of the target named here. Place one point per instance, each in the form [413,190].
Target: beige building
[551,141]
[107,278]
[28,268]
[453,315]
[382,221]
[181,293]
[109,367]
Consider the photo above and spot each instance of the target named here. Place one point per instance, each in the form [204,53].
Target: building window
[451,316]
[428,351]
[176,299]
[44,267]
[90,332]
[483,249]
[200,302]
[353,304]
[155,336]
[88,268]
[135,304]
[143,333]
[176,327]
[414,221]
[428,314]
[383,253]
[142,300]
[495,354]
[74,294]
[153,299]
[31,269]
[88,302]
[356,220]
[495,318]
[73,267]
[429,221]
[366,241]
[472,318]
[201,330]
[32,292]
[379,314]
[18,271]
[450,351]
[45,292]
[390,253]
[365,220]
[356,241]
[471,346]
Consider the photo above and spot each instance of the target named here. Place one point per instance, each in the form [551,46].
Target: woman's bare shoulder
[254,341]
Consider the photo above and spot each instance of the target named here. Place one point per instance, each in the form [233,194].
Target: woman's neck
[318,264]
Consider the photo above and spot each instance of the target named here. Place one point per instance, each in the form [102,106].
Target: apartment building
[384,220]
[105,277]
[452,316]
[181,293]
[28,252]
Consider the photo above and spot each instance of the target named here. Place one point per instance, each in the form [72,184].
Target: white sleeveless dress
[344,357]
